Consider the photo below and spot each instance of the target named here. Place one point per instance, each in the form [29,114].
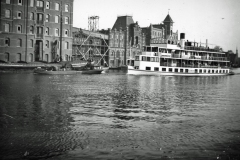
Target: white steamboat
[184,59]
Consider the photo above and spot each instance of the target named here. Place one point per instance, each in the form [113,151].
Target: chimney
[182,40]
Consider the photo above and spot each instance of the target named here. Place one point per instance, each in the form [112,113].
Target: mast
[61,33]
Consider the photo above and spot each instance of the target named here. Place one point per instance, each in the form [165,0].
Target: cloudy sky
[215,20]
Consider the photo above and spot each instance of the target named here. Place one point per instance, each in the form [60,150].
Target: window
[7,13]
[7,27]
[8,1]
[196,71]
[170,69]
[66,45]
[19,57]
[31,3]
[56,19]
[31,43]
[181,70]
[176,69]
[186,70]
[56,32]
[164,69]
[31,30]
[19,42]
[66,7]
[19,15]
[57,6]
[31,16]
[156,69]
[47,17]
[39,4]
[47,5]
[47,31]
[148,68]
[66,20]
[47,44]
[19,2]
[7,41]
[19,29]
[6,57]
[66,33]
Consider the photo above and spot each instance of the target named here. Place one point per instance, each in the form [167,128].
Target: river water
[119,116]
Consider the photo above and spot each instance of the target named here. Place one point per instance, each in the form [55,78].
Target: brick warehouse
[31,30]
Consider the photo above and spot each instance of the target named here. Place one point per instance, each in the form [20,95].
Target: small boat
[46,72]
[87,69]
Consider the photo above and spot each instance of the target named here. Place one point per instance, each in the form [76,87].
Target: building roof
[168,19]
[123,22]
[159,26]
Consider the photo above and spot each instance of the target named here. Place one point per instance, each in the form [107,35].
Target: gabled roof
[168,19]
[123,22]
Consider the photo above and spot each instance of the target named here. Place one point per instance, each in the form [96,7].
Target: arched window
[47,44]
[19,42]
[171,32]
[66,20]
[56,19]
[57,6]
[31,16]
[7,13]
[31,30]
[66,33]
[169,42]
[7,41]
[19,56]
[46,57]
[136,39]
[66,45]
[66,7]
[7,27]
[19,29]
[47,18]
[47,31]
[19,15]
[6,57]
[47,5]
[56,32]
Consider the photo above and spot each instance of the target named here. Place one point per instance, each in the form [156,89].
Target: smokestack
[182,40]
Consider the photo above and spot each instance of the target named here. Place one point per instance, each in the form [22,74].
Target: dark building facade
[161,33]
[36,30]
[126,40]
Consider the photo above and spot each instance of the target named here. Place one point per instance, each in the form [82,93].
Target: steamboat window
[216,71]
[186,70]
[170,69]
[148,68]
[176,70]
[137,58]
[164,69]
[209,71]
[181,70]
[220,71]
[212,71]
[223,71]
[157,59]
[136,67]
[143,58]
[200,71]
[148,59]
[227,71]
[196,71]
[205,71]
[156,69]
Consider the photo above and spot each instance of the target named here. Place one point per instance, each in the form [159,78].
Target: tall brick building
[36,30]
[125,38]
[161,33]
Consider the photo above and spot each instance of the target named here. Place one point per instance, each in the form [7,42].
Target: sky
[215,20]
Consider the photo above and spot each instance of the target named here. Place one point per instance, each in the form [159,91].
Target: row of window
[40,3]
[18,57]
[39,30]
[177,70]
[47,43]
[39,17]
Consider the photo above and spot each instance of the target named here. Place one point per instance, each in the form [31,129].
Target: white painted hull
[157,73]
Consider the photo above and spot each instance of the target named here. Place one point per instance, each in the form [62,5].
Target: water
[118,116]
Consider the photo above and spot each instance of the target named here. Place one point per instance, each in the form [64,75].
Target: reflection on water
[117,116]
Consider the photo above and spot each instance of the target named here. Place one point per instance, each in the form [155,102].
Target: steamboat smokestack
[182,40]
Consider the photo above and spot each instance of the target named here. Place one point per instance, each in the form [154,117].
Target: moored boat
[182,59]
